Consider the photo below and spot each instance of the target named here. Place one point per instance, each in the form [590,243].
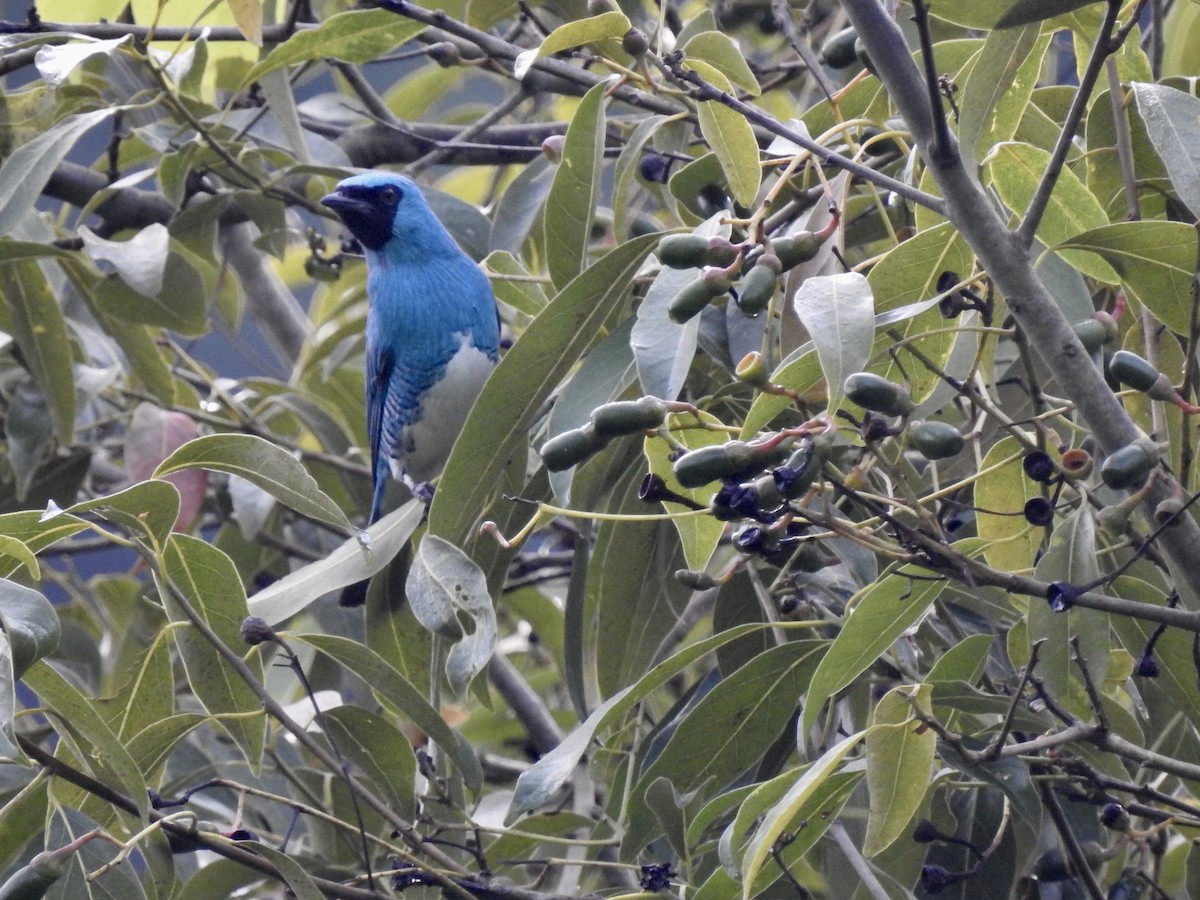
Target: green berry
[628,417]
[758,287]
[1129,466]
[935,440]
[683,251]
[571,448]
[876,393]
[838,51]
[691,299]
[799,248]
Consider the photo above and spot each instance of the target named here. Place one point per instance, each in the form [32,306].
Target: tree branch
[1004,255]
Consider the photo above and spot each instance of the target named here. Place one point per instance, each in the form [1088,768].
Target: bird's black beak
[342,204]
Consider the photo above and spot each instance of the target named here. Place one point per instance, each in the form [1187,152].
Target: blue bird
[433,329]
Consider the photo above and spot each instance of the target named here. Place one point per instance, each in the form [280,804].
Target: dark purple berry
[1062,596]
[1039,511]
[656,877]
[655,168]
[1038,466]
[1147,666]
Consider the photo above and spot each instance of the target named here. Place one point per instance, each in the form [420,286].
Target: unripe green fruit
[838,51]
[1135,372]
[706,464]
[571,448]
[628,417]
[799,248]
[683,251]
[758,287]
[31,882]
[874,392]
[692,297]
[935,440]
[1091,334]
[1129,466]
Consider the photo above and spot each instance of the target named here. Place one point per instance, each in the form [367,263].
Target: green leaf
[719,50]
[801,372]
[908,275]
[180,304]
[356,559]
[729,729]
[1015,170]
[625,173]
[209,584]
[513,396]
[29,623]
[394,690]
[41,332]
[900,752]
[380,750]
[77,714]
[1071,558]
[149,508]
[699,535]
[664,349]
[1024,11]
[605,375]
[730,136]
[998,88]
[809,822]
[571,204]
[879,614]
[151,746]
[354,37]
[632,593]
[538,784]
[141,260]
[447,589]
[573,34]
[297,879]
[18,550]
[839,313]
[1000,496]
[262,463]
[27,169]
[964,661]
[1154,260]
[779,816]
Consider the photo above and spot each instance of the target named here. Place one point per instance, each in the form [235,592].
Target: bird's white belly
[444,408]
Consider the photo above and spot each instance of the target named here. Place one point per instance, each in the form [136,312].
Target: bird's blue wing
[380,363]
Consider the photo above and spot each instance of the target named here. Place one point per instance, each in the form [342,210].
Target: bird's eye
[390,196]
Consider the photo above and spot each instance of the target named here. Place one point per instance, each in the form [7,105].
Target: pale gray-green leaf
[449,596]
[354,560]
[839,313]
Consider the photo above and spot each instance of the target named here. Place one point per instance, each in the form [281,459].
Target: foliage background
[860,693]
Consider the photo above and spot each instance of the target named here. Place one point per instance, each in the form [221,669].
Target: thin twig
[1058,156]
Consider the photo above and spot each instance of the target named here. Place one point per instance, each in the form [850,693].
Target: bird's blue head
[377,206]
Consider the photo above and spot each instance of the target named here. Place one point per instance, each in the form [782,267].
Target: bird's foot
[423,491]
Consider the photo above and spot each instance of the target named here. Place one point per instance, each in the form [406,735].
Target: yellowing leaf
[730,136]
[248,15]
[900,754]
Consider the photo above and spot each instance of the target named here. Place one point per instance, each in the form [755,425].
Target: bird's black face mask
[367,211]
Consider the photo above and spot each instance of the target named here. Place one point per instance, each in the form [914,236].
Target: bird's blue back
[432,327]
